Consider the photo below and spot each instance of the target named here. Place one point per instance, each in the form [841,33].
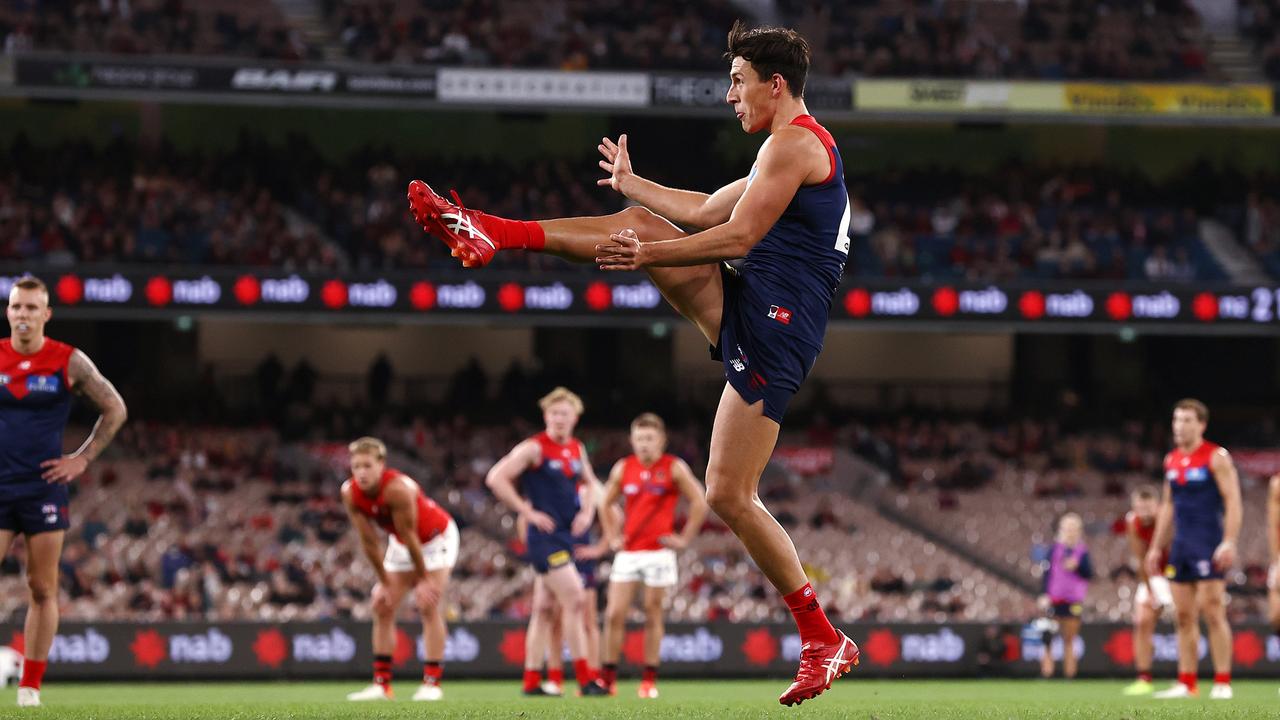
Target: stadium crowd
[207,521]
[284,205]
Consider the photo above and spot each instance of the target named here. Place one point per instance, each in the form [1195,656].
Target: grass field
[869,700]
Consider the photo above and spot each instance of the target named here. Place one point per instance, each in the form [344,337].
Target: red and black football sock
[650,674]
[1188,679]
[382,670]
[432,671]
[810,619]
[609,674]
[582,672]
[532,680]
[556,675]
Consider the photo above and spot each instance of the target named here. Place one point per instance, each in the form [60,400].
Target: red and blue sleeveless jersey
[792,274]
[552,486]
[35,402]
[1197,502]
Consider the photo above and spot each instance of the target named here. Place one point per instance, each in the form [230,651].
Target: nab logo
[210,647]
[336,646]
[459,646]
[1197,474]
[88,647]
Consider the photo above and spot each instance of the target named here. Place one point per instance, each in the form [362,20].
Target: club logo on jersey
[5,379]
[43,383]
[630,489]
[780,314]
[1171,475]
[1197,474]
[24,365]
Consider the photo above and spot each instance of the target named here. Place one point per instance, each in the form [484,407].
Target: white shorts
[440,553]
[1163,595]
[656,567]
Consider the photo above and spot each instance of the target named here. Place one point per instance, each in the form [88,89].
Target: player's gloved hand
[617,162]
[1224,557]
[426,594]
[540,520]
[624,251]
[582,521]
[64,469]
[675,542]
[1152,563]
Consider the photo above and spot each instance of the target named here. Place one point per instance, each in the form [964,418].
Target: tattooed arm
[84,379]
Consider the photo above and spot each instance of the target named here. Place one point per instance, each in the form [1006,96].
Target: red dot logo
[1205,307]
[1031,304]
[1119,306]
[70,290]
[511,297]
[334,294]
[247,290]
[159,291]
[599,297]
[422,296]
[946,301]
[857,302]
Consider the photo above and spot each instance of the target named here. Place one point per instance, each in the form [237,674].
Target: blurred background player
[548,469]
[38,375]
[1066,583]
[650,483]
[1153,594]
[422,548]
[1201,512]
[1273,543]
[766,322]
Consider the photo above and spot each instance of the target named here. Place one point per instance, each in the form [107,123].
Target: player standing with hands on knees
[422,548]
[1201,512]
[38,376]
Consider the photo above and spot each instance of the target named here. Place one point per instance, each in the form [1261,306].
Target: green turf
[721,700]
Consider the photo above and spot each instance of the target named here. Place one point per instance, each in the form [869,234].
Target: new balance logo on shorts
[780,314]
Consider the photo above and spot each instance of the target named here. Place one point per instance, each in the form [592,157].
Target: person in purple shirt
[1068,571]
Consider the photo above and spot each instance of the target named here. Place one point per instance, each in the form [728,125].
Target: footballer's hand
[674,542]
[1152,563]
[588,552]
[616,162]
[382,599]
[426,593]
[582,521]
[64,469]
[540,520]
[1224,557]
[624,251]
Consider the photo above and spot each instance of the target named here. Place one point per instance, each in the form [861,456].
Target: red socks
[1144,677]
[556,675]
[609,674]
[810,619]
[532,680]
[650,674]
[1188,679]
[514,234]
[382,669]
[432,672]
[1222,678]
[33,673]
[582,672]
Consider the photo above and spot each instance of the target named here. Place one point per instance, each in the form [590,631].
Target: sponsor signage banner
[953,96]
[551,88]
[341,649]
[584,296]
[220,77]
[707,90]
[1151,99]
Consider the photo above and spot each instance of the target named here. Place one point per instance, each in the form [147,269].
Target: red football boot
[457,226]
[819,666]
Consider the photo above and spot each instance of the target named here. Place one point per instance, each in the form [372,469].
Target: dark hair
[772,51]
[1200,409]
